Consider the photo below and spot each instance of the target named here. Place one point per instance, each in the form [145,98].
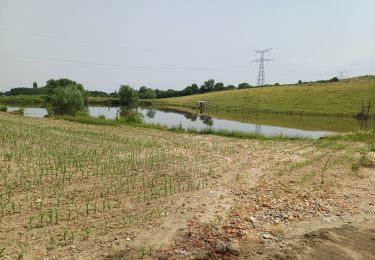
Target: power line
[118,65]
[261,75]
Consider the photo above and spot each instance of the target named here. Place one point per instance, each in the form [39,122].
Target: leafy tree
[195,88]
[146,93]
[167,93]
[334,79]
[230,87]
[207,86]
[52,84]
[190,90]
[244,85]
[66,100]
[35,85]
[22,91]
[142,90]
[128,96]
[149,94]
[219,86]
[187,91]
[95,93]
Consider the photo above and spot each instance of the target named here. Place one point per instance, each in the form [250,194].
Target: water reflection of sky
[189,120]
[173,119]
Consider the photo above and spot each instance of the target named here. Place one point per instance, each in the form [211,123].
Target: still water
[262,124]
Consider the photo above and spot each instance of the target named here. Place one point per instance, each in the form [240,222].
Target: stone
[182,252]
[253,220]
[267,236]
[233,248]
[220,246]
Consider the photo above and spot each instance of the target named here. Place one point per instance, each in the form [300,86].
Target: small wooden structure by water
[202,104]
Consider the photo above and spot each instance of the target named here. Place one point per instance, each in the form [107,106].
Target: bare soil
[264,200]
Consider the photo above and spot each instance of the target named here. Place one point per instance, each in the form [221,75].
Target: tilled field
[70,190]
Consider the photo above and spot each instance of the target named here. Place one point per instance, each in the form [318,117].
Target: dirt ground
[264,200]
[270,203]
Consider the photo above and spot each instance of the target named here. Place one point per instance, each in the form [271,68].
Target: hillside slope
[323,98]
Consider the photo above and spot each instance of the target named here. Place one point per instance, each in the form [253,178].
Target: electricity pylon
[341,74]
[261,75]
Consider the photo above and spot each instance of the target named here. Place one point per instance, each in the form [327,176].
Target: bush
[334,79]
[66,100]
[128,96]
[127,115]
[3,108]
[133,117]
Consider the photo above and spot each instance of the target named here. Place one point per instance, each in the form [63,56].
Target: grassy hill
[343,97]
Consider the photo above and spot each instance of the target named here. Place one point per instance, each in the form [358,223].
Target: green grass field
[325,98]
[39,100]
[23,100]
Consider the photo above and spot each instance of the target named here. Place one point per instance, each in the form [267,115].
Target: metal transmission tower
[261,60]
[341,74]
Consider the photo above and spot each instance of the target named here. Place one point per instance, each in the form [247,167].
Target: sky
[174,43]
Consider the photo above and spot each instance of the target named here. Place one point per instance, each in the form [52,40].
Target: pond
[262,123]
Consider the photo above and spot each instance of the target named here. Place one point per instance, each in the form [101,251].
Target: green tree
[128,96]
[53,84]
[334,79]
[195,88]
[230,87]
[146,93]
[244,85]
[219,86]
[22,91]
[66,100]
[207,86]
[149,94]
[35,85]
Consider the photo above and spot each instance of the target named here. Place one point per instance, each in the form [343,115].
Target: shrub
[66,100]
[127,115]
[128,96]
[134,117]
[3,108]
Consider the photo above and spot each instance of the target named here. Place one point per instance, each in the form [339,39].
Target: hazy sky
[173,43]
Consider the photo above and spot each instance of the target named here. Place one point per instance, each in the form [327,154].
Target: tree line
[142,93]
